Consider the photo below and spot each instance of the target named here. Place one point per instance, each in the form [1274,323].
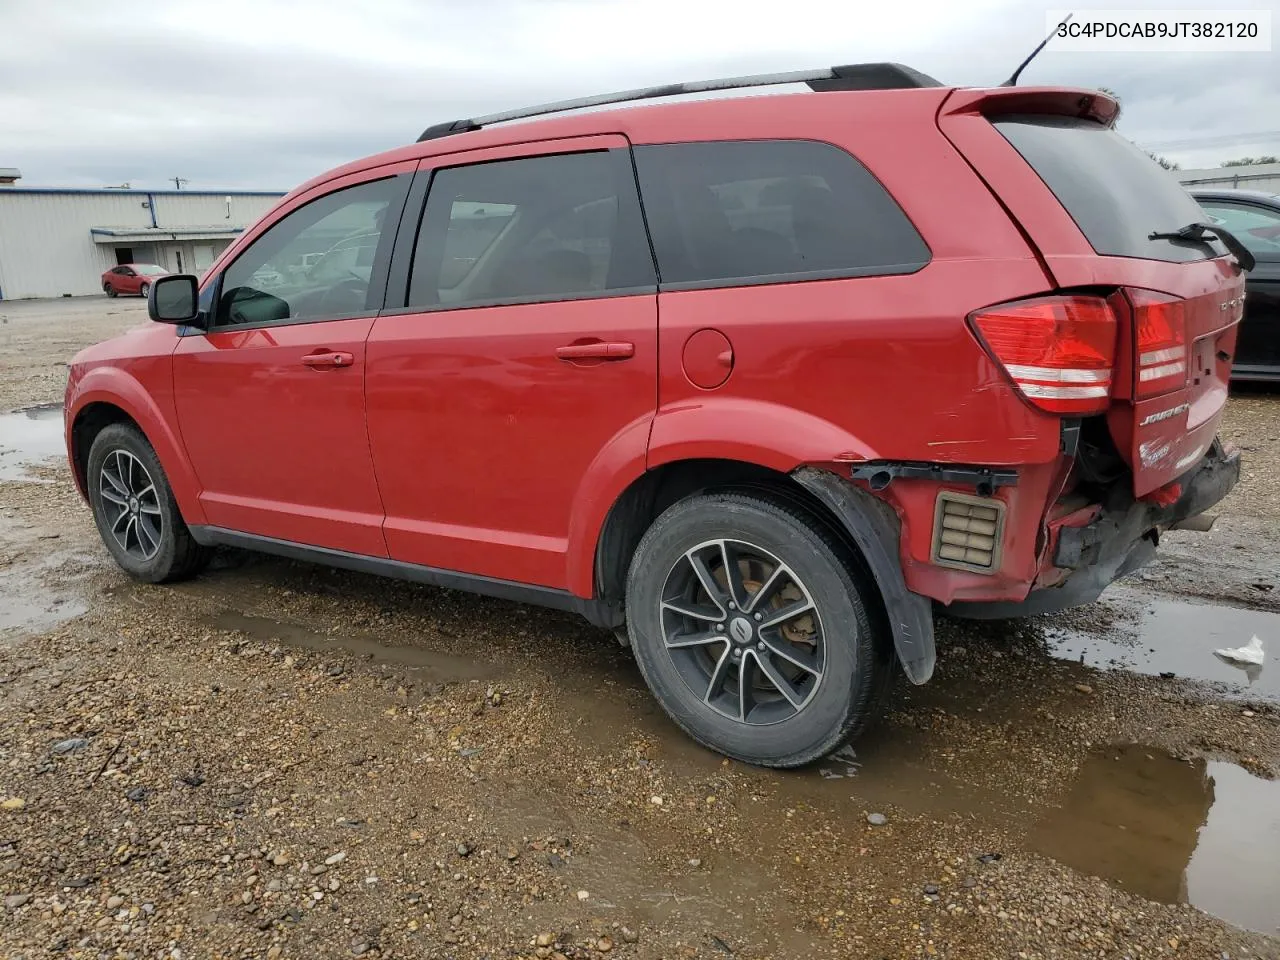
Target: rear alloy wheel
[134,508]
[749,624]
[109,290]
[743,631]
[142,290]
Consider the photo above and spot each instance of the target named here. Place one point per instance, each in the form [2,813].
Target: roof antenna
[1013,80]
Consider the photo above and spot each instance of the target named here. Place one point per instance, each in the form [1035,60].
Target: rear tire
[718,662]
[142,290]
[109,290]
[134,508]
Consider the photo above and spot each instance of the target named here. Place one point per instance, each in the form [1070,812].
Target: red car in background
[131,278]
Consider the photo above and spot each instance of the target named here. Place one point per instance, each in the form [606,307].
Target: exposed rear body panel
[1090,202]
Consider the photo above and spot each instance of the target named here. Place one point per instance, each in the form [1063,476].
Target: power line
[1222,140]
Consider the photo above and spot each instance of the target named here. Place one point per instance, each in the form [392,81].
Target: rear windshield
[1116,194]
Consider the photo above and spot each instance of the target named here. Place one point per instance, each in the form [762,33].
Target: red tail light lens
[1059,351]
[1161,324]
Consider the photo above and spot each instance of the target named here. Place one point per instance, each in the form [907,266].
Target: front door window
[316,263]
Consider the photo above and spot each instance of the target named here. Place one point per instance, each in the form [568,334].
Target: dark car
[755,381]
[1254,217]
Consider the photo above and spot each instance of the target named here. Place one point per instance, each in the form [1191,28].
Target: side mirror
[174,299]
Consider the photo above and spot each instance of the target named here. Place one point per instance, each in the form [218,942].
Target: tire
[135,511]
[142,290]
[109,290]
[836,666]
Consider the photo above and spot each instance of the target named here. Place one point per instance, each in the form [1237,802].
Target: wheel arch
[91,420]
[866,526]
[708,435]
[108,395]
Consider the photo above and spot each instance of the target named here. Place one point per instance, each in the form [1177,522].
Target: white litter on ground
[1250,653]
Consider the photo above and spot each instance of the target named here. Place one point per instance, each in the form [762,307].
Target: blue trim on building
[163,232]
[100,191]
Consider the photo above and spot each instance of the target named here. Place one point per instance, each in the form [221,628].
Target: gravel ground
[39,337]
[280,760]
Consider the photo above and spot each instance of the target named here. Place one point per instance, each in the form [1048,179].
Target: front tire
[753,627]
[142,290]
[134,508]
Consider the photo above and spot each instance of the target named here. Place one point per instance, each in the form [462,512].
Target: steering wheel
[344,295]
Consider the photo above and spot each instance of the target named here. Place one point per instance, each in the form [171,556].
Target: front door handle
[597,350]
[328,358]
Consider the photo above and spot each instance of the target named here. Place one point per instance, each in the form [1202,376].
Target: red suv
[758,383]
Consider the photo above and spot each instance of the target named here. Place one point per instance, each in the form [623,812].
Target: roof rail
[854,76]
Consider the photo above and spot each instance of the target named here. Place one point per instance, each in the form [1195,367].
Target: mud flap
[875,529]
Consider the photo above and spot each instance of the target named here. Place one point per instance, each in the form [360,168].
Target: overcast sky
[267,93]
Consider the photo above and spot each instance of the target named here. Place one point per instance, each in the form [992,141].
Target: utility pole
[178,182]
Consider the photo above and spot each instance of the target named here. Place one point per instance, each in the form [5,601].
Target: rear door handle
[328,358]
[598,350]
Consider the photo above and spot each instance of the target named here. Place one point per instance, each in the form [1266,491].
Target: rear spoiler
[1055,101]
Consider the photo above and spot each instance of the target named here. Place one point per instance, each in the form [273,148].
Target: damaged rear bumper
[1120,540]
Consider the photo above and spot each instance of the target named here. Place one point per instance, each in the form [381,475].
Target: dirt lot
[280,760]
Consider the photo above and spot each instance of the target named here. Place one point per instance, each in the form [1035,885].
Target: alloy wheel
[743,631]
[130,504]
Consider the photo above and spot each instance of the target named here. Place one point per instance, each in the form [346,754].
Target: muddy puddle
[736,901]
[27,606]
[37,594]
[888,768]
[1204,833]
[1158,635]
[437,667]
[28,437]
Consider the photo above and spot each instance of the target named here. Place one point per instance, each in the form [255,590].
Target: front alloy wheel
[135,510]
[131,503]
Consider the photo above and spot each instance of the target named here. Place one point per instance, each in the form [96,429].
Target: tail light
[1162,342]
[1059,350]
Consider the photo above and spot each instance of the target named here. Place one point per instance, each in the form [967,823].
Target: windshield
[148,269]
[1117,195]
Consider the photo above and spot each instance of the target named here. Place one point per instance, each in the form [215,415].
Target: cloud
[268,93]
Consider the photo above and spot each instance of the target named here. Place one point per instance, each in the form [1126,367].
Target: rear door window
[1117,195]
[730,212]
[528,230]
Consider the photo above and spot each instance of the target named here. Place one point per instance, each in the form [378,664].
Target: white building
[1254,176]
[58,242]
